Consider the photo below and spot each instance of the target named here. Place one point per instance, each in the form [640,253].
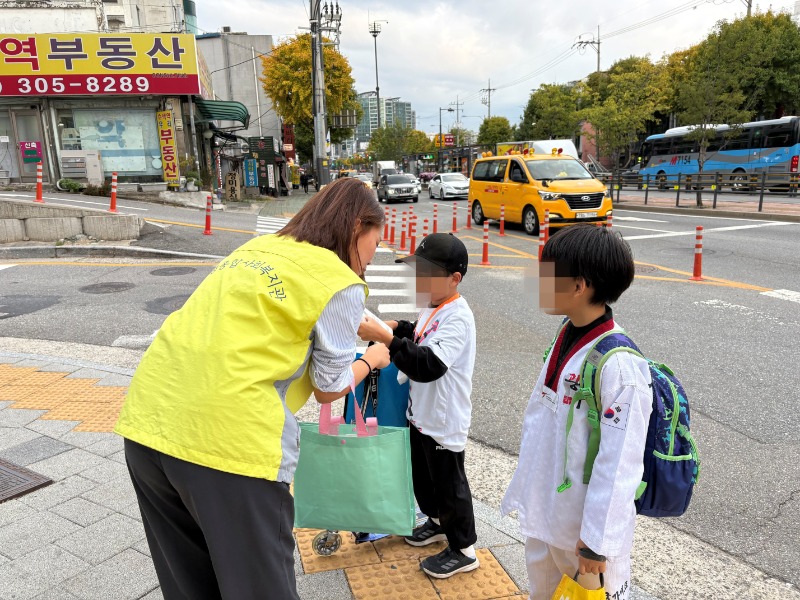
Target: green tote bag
[354,477]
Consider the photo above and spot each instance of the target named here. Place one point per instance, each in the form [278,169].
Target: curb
[18,252]
[710,212]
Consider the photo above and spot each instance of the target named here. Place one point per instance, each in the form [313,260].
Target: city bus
[738,152]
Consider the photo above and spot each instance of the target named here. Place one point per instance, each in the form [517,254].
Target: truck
[382,167]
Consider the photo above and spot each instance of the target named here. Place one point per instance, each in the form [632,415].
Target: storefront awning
[223,110]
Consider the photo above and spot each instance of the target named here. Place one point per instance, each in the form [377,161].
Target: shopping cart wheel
[326,543]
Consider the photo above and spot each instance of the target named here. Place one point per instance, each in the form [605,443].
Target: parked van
[528,183]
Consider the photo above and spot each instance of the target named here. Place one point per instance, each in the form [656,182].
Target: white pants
[546,564]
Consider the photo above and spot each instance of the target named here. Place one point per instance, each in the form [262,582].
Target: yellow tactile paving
[398,580]
[96,408]
[487,582]
[395,548]
[10,373]
[54,394]
[349,555]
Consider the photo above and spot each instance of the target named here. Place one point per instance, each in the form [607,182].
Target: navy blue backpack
[671,463]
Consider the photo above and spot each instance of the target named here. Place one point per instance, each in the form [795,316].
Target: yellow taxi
[527,183]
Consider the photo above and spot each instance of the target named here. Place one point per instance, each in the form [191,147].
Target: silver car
[397,188]
[448,185]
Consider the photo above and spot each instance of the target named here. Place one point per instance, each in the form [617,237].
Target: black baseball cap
[443,250]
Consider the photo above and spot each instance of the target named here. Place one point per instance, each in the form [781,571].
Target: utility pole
[458,106]
[594,43]
[487,97]
[749,7]
[321,21]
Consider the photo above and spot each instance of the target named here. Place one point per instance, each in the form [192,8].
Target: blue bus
[771,147]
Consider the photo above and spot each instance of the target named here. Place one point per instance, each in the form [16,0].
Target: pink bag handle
[330,426]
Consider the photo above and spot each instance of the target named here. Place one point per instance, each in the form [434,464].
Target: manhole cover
[641,269]
[172,271]
[16,481]
[109,287]
[165,306]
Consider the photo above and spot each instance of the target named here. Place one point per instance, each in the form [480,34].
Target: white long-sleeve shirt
[601,513]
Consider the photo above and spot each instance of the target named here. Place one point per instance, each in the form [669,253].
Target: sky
[434,53]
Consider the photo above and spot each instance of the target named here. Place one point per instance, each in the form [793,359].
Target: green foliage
[552,112]
[462,136]
[287,82]
[494,130]
[391,143]
[192,175]
[70,185]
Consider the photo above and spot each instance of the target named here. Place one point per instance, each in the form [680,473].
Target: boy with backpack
[577,511]
[437,353]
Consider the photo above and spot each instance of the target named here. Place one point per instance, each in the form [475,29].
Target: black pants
[214,535]
[441,488]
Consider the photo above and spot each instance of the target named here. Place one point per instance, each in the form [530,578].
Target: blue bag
[391,409]
[671,463]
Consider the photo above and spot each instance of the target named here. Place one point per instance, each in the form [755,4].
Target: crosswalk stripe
[380,292]
[268,225]
[400,268]
[6,267]
[397,308]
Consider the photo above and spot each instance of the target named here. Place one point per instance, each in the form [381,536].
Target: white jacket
[601,513]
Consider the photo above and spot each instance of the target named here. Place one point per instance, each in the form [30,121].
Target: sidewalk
[82,536]
[775,206]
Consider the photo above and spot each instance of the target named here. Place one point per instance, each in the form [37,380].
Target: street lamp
[375,29]
[441,140]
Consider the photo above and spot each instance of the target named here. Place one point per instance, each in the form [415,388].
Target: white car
[448,185]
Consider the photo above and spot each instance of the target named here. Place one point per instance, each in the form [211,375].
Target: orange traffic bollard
[455,217]
[39,197]
[502,220]
[207,230]
[469,217]
[546,224]
[485,259]
[424,228]
[435,218]
[391,229]
[113,207]
[403,232]
[386,223]
[541,240]
[608,220]
[412,228]
[697,275]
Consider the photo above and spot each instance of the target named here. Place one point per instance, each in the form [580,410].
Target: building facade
[392,110]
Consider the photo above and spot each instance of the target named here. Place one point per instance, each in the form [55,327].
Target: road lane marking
[400,268]
[637,219]
[387,279]
[249,232]
[106,204]
[514,250]
[6,267]
[616,210]
[397,308]
[618,226]
[789,295]
[270,225]
[717,280]
[705,231]
[392,293]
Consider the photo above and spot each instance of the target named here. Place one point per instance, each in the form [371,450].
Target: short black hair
[601,258]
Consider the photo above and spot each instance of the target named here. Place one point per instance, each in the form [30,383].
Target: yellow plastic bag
[569,589]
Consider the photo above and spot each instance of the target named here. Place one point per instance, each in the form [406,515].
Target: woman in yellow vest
[211,439]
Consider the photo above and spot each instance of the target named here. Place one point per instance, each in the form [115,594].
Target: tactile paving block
[395,548]
[18,392]
[9,373]
[487,582]
[39,378]
[64,390]
[349,554]
[398,580]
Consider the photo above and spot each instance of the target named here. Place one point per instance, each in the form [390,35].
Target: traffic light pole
[321,166]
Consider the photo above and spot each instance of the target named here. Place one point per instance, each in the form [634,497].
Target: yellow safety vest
[221,382]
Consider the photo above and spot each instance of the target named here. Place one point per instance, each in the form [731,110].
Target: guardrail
[762,184]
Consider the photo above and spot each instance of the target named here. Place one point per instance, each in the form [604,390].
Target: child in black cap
[437,353]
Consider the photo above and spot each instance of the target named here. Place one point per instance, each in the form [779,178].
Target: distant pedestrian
[304,182]
[211,440]
[437,353]
[571,525]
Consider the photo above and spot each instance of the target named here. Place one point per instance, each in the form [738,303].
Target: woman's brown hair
[329,219]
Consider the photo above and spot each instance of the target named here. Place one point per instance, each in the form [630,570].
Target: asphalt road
[732,340]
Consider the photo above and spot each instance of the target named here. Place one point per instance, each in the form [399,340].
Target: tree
[634,95]
[391,143]
[711,91]
[462,136]
[287,83]
[494,130]
[552,112]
